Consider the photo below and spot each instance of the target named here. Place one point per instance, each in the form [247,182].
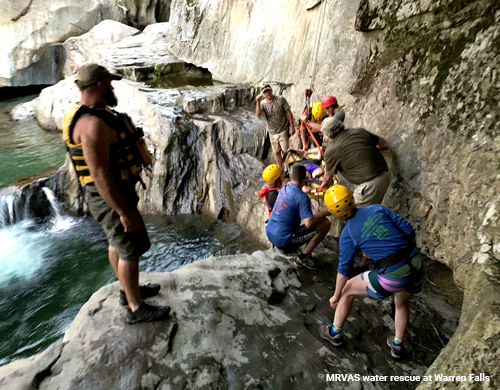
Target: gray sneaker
[396,351]
[308,262]
[147,313]
[324,332]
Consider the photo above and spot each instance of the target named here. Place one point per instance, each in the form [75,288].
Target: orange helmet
[328,101]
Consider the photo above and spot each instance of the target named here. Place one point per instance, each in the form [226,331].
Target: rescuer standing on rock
[279,119]
[389,240]
[355,154]
[108,153]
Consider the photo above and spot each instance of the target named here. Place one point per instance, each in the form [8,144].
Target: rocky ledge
[239,322]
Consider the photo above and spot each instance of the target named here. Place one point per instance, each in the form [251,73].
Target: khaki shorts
[279,142]
[373,191]
[129,245]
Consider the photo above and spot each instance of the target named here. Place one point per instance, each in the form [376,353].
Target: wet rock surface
[244,321]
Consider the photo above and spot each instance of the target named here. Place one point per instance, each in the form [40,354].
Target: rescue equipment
[339,200]
[128,153]
[317,111]
[271,173]
[328,101]
[263,194]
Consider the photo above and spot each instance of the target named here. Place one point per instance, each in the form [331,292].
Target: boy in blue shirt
[389,241]
[284,229]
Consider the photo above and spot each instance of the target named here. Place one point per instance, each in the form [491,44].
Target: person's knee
[402,300]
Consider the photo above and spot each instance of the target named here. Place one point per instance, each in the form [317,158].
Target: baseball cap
[89,74]
[331,126]
[266,87]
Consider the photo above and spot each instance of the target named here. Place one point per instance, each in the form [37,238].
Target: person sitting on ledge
[390,241]
[273,176]
[284,229]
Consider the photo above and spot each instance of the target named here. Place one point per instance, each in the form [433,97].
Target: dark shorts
[131,245]
[301,236]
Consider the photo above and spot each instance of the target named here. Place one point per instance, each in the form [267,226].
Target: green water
[25,149]
[49,271]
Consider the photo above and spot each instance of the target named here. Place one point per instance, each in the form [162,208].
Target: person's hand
[324,186]
[258,98]
[292,130]
[334,301]
[302,152]
[131,222]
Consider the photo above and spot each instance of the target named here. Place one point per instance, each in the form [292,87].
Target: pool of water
[25,149]
[49,270]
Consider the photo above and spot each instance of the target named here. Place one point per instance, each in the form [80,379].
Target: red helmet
[328,101]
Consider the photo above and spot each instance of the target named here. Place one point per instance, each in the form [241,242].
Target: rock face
[206,142]
[422,75]
[87,47]
[242,322]
[32,31]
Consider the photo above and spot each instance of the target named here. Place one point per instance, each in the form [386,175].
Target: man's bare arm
[258,108]
[315,127]
[95,138]
[316,219]
[290,121]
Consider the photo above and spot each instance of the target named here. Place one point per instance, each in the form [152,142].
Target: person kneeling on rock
[284,229]
[273,175]
[390,241]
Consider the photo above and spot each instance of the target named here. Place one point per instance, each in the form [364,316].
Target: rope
[317,40]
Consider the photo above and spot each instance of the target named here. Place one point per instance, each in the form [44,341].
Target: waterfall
[30,202]
[57,209]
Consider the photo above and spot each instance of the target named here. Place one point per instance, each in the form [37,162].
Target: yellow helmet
[271,173]
[339,200]
[317,111]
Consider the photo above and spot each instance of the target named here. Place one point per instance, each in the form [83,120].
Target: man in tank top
[102,146]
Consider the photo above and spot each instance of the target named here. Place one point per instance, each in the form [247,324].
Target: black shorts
[129,245]
[301,236]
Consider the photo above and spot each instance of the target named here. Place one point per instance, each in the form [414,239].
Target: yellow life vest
[127,153]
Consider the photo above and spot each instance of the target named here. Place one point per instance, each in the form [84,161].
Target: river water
[50,268]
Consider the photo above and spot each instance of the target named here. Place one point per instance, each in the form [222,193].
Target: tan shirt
[275,113]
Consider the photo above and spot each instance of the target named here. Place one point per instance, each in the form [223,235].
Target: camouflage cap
[89,74]
[331,126]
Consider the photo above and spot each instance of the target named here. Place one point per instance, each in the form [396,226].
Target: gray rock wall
[32,32]
[423,75]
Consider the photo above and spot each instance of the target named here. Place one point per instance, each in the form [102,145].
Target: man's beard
[111,99]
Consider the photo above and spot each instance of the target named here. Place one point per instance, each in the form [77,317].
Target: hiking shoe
[307,261]
[147,313]
[324,332]
[147,291]
[396,351]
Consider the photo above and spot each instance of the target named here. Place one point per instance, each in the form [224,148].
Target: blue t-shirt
[377,231]
[291,207]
